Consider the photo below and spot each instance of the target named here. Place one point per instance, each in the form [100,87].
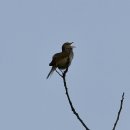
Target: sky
[31,31]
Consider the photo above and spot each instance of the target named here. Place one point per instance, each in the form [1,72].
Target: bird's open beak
[71,43]
[73,46]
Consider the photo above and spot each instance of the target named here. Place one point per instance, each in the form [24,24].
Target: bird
[63,59]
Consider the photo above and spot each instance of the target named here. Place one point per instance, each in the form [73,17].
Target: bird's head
[67,46]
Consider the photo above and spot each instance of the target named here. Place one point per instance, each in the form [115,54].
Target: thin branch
[119,112]
[59,73]
[70,102]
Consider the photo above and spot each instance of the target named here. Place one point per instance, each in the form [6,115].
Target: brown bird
[63,59]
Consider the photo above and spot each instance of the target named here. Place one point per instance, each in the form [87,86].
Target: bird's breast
[62,64]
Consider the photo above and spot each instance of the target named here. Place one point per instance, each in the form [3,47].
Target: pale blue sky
[32,31]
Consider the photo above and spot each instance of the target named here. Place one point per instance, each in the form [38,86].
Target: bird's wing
[58,57]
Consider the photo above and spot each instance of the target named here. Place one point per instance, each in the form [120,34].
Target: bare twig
[70,102]
[119,112]
[59,73]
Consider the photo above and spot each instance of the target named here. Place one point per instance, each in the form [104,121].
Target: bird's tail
[51,71]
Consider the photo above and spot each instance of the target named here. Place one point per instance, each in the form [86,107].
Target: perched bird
[63,59]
